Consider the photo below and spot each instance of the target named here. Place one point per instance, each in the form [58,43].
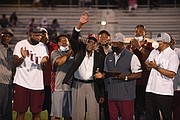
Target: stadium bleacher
[165,19]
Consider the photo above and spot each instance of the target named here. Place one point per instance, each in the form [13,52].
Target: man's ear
[144,33]
[29,34]
[109,38]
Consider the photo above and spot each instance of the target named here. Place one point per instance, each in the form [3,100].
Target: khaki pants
[82,92]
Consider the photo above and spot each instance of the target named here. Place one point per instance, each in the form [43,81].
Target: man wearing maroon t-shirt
[141,48]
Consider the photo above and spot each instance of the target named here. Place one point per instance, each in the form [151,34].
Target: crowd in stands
[100,78]
[121,4]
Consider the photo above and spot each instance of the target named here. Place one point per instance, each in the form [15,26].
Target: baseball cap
[7,31]
[44,30]
[164,37]
[35,29]
[118,37]
[92,37]
[104,31]
[61,36]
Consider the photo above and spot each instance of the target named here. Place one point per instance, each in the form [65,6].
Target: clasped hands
[25,53]
[151,64]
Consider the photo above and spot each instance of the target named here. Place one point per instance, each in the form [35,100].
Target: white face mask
[140,38]
[155,45]
[64,48]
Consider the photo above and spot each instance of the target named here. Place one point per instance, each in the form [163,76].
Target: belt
[83,81]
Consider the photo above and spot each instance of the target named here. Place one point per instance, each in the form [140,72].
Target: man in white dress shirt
[87,92]
[163,63]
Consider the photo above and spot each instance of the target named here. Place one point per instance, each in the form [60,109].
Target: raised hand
[84,17]
[135,44]
[23,52]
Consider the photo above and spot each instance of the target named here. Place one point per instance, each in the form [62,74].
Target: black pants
[104,109]
[176,105]
[155,103]
[47,101]
[5,102]
[140,102]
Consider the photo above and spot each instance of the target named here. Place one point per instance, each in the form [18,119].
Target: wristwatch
[126,78]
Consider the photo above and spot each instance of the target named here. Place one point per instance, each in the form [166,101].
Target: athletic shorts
[61,104]
[23,98]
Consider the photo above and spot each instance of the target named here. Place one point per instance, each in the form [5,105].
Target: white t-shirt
[29,74]
[158,83]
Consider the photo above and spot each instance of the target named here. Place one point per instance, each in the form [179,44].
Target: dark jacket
[79,49]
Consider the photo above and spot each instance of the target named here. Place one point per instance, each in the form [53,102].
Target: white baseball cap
[164,37]
[118,37]
[44,30]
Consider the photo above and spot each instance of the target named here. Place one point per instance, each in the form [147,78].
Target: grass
[28,115]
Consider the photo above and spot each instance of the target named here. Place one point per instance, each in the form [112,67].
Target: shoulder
[177,51]
[41,45]
[154,51]
[53,44]
[99,54]
[55,52]
[109,55]
[148,46]
[25,41]
[127,52]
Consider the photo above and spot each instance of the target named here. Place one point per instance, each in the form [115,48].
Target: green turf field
[28,115]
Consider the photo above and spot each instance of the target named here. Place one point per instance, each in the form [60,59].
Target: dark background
[75,2]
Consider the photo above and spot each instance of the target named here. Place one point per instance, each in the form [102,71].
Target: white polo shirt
[158,83]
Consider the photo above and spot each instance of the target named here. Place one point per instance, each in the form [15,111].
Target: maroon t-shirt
[47,71]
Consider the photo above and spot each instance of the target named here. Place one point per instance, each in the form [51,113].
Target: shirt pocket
[163,63]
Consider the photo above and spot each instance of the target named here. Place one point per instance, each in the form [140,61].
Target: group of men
[100,78]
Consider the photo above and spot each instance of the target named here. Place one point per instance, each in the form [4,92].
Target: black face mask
[115,49]
[104,44]
[34,42]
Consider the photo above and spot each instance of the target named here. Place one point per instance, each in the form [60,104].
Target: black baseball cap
[7,31]
[35,29]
